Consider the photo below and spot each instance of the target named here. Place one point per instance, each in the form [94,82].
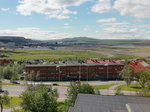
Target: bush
[75,89]
[118,91]
[40,99]
[144,92]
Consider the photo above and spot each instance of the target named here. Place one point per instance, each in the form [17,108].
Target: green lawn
[125,56]
[131,87]
[102,86]
[57,55]
[52,55]
[18,110]
[10,84]
[61,108]
[15,101]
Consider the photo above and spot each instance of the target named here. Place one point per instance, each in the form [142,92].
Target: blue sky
[56,19]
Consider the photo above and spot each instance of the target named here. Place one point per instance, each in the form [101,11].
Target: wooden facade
[76,71]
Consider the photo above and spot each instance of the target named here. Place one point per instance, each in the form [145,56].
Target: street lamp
[87,72]
[24,77]
[80,72]
[58,72]
[107,69]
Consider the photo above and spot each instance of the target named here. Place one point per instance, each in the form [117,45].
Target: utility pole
[58,68]
[80,72]
[107,69]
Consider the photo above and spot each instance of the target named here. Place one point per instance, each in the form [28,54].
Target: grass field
[142,50]
[61,108]
[15,101]
[18,110]
[57,55]
[27,54]
[102,86]
[124,56]
[131,87]
[10,84]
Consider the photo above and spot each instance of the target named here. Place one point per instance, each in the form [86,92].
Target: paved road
[89,82]
[62,90]
[14,90]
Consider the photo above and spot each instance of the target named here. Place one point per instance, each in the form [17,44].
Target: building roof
[103,103]
[72,64]
[93,61]
[131,107]
[139,64]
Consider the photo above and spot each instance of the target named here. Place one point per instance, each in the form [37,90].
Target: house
[105,103]
[138,65]
[6,61]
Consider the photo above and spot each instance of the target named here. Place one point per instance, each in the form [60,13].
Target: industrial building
[90,70]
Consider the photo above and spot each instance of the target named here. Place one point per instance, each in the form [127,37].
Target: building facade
[79,71]
[6,61]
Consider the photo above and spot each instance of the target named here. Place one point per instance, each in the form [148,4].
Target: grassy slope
[25,54]
[56,55]
[10,84]
[102,86]
[131,87]
[15,101]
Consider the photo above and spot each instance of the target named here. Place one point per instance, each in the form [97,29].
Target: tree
[40,99]
[143,76]
[76,88]
[4,100]
[33,76]
[1,76]
[12,71]
[127,74]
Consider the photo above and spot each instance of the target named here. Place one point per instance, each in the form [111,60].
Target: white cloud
[51,8]
[106,20]
[87,29]
[67,25]
[4,9]
[121,31]
[35,33]
[135,8]
[102,6]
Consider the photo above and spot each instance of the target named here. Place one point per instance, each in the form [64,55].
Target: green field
[56,55]
[15,101]
[27,54]
[131,87]
[124,56]
[10,84]
[102,86]
[61,108]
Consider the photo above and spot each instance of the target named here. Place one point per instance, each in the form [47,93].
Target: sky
[57,19]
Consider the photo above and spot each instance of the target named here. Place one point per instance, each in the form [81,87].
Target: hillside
[94,41]
[14,39]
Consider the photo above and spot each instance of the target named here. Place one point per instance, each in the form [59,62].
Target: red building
[6,61]
[138,65]
[92,70]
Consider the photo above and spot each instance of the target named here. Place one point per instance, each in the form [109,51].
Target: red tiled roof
[138,64]
[103,61]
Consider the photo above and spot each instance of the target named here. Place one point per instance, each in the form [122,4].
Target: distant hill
[14,39]
[80,39]
[94,41]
